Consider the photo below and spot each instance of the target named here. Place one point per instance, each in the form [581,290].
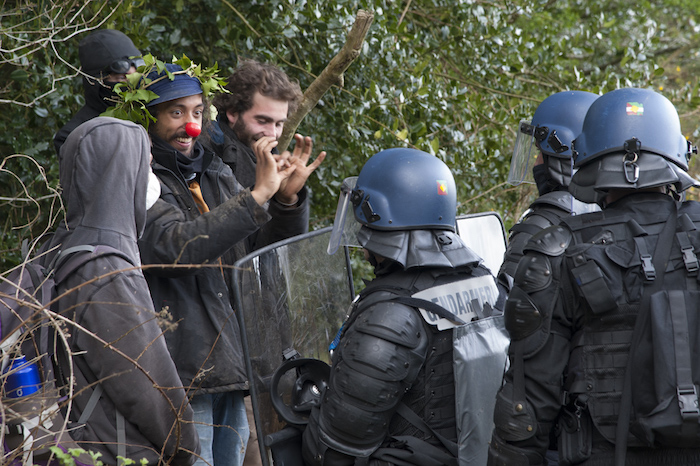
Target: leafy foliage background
[450,77]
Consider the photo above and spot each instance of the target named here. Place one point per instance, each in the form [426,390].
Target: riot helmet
[397,190]
[631,139]
[402,206]
[405,189]
[557,120]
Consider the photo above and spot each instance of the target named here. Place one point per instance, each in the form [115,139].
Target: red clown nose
[193,129]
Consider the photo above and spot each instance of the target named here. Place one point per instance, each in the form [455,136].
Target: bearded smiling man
[261,97]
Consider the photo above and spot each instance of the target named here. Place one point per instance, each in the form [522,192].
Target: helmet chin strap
[375,259]
[372,259]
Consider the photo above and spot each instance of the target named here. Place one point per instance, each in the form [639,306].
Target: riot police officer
[542,153]
[391,392]
[581,286]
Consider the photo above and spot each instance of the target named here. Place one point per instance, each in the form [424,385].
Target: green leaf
[434,146]
[19,75]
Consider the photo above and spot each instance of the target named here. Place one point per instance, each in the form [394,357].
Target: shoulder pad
[394,322]
[551,241]
[559,199]
[521,315]
[580,208]
[540,218]
[534,273]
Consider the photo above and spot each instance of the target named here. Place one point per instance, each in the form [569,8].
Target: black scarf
[189,167]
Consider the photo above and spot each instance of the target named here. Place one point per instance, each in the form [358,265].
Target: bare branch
[331,75]
[30,32]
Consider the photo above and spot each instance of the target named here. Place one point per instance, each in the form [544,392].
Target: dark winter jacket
[95,104]
[233,152]
[117,341]
[205,344]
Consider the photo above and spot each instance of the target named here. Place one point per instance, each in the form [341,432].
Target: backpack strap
[62,266]
[662,253]
[404,411]
[690,259]
[403,298]
[121,437]
[428,306]
[62,255]
[687,393]
[647,264]
[68,261]
[91,404]
[120,424]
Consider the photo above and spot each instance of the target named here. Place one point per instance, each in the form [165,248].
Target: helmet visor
[525,154]
[345,226]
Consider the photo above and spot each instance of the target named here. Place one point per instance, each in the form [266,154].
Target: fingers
[283,160]
[287,172]
[264,145]
[302,147]
[320,158]
[263,151]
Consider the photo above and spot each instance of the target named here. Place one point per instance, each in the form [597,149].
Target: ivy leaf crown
[133,95]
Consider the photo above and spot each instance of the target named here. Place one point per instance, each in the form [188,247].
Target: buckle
[688,403]
[648,267]
[555,143]
[690,260]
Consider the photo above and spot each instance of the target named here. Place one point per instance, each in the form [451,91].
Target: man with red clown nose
[205,217]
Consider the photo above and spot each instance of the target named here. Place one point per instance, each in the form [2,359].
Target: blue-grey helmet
[558,119]
[405,189]
[402,207]
[623,115]
[631,139]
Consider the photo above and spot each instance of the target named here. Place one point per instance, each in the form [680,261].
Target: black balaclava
[543,180]
[97,51]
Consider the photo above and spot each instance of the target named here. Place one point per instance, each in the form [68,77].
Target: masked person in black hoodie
[206,220]
[118,346]
[106,57]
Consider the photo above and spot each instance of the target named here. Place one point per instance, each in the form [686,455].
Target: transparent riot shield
[293,297]
[290,296]
[485,234]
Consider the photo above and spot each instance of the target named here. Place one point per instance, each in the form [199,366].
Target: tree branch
[332,74]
